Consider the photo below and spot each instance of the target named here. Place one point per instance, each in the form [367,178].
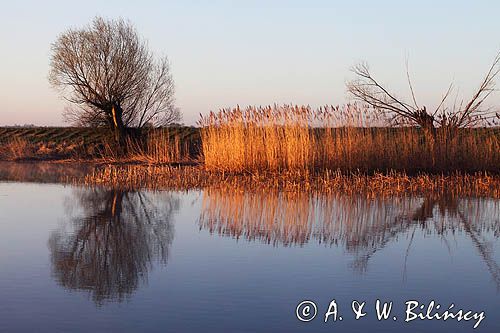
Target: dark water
[101,260]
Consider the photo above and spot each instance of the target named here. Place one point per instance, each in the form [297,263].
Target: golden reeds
[350,138]
[374,185]
[157,148]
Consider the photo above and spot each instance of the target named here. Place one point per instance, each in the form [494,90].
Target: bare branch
[410,85]
[370,91]
[366,89]
[486,88]
[445,97]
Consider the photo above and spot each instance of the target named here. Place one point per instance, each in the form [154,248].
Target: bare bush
[469,113]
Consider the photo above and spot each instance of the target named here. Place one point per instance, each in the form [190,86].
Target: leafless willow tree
[460,114]
[111,76]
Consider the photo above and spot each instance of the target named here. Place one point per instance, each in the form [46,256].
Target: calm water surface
[105,260]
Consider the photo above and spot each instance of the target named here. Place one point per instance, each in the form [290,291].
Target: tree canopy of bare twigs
[111,76]
[460,114]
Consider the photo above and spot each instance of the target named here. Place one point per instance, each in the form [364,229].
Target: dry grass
[158,148]
[16,149]
[375,185]
[151,146]
[299,138]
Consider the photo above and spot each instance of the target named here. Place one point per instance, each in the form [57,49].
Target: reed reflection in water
[111,240]
[361,225]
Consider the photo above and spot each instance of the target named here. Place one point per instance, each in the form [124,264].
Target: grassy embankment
[172,145]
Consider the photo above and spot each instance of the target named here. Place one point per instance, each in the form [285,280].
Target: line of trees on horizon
[112,79]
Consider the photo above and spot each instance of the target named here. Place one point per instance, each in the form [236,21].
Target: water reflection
[361,225]
[43,172]
[111,240]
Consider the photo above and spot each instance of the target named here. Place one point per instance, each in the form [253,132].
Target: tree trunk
[119,128]
[426,121]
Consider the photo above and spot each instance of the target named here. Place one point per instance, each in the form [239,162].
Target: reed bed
[158,148]
[167,177]
[350,138]
[370,185]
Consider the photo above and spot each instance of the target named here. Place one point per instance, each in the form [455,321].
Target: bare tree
[111,76]
[368,90]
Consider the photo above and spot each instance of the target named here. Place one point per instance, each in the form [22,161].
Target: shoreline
[133,176]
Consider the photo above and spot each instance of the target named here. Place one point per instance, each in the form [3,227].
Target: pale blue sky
[225,53]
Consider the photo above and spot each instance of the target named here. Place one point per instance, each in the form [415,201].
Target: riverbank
[156,177]
[265,149]
[176,144]
[375,184]
[234,148]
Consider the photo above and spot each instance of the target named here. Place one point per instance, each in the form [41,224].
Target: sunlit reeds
[370,185]
[157,148]
[349,138]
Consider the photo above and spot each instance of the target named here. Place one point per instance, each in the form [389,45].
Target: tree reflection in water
[361,225]
[115,238]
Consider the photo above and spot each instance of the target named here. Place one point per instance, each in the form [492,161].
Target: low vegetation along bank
[164,177]
[373,185]
[155,146]
[299,144]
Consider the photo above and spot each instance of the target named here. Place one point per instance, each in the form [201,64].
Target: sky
[228,53]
